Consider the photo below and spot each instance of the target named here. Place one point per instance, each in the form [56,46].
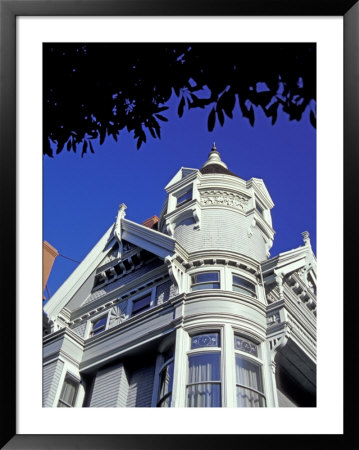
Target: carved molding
[224,198]
[117,314]
[273,318]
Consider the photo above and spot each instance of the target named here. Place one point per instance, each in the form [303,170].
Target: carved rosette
[224,198]
[117,314]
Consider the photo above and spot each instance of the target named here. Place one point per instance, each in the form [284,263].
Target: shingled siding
[141,387]
[51,374]
[123,280]
[221,229]
[110,388]
[80,329]
[165,292]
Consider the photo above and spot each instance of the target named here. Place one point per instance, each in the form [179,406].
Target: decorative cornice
[126,289]
[216,294]
[226,198]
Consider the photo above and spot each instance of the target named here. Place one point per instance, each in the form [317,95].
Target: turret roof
[214,164]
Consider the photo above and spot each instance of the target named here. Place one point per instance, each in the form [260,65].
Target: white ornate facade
[193,313]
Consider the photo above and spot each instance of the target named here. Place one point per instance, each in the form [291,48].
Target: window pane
[184,197]
[205,276]
[141,304]
[241,282]
[243,291]
[62,405]
[248,374]
[205,340]
[204,395]
[68,393]
[100,323]
[249,399]
[259,208]
[166,380]
[245,346]
[204,367]
[197,287]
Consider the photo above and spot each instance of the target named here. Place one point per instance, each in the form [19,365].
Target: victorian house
[187,309]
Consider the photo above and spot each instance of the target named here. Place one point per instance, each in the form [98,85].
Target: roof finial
[306,238]
[214,157]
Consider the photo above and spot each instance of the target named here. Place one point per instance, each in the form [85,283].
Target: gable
[102,263]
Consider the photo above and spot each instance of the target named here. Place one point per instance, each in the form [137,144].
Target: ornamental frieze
[223,198]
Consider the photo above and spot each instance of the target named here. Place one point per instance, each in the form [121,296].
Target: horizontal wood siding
[51,375]
[284,401]
[110,388]
[141,386]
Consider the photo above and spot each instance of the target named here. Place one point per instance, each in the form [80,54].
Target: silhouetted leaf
[181,107]
[139,143]
[211,120]
[91,147]
[48,149]
[60,145]
[251,115]
[163,118]
[220,116]
[84,148]
[203,74]
[152,131]
[162,108]
[157,128]
[227,102]
[102,131]
[313,118]
[68,146]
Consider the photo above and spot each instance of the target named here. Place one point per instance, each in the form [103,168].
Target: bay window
[249,384]
[204,372]
[244,286]
[205,280]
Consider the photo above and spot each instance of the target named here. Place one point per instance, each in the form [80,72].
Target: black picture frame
[9,10]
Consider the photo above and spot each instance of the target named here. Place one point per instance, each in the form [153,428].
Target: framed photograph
[205,132]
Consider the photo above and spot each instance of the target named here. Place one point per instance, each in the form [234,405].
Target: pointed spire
[214,157]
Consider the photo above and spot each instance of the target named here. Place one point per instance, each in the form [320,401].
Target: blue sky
[81,195]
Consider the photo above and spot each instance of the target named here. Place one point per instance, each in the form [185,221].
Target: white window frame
[162,367]
[206,269]
[92,320]
[203,350]
[246,278]
[72,380]
[183,192]
[257,360]
[144,293]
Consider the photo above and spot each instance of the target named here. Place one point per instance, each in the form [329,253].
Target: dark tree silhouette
[92,91]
